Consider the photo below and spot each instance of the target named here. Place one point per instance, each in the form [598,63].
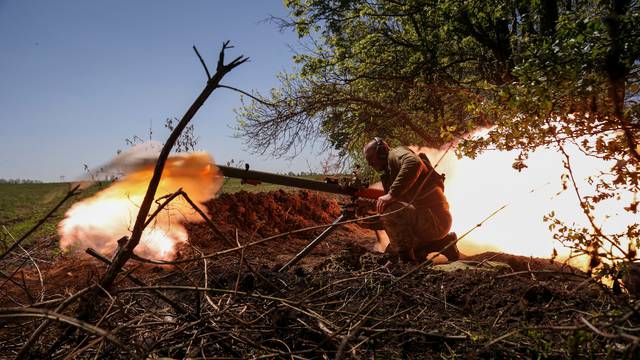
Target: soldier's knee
[399,214]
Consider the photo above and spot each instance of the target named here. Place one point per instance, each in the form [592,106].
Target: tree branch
[48,314]
[124,253]
[247,94]
[204,65]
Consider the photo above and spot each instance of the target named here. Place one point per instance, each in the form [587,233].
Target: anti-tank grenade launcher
[352,186]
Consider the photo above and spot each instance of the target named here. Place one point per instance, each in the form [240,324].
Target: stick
[204,65]
[168,198]
[596,330]
[206,218]
[48,314]
[215,290]
[39,272]
[36,334]
[177,307]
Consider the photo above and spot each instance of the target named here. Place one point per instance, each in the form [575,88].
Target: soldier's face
[373,159]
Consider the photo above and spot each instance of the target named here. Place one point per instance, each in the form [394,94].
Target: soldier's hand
[365,205]
[383,202]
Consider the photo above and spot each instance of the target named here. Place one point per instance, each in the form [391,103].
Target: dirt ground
[338,301]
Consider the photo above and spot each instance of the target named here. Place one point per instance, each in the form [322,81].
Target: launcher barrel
[254,177]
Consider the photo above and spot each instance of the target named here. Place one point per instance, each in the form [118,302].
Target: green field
[234,185]
[23,205]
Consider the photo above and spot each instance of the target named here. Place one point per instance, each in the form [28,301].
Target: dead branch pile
[348,305]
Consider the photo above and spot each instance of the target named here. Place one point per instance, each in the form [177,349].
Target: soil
[338,299]
[259,215]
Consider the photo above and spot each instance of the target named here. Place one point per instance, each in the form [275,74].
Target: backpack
[435,178]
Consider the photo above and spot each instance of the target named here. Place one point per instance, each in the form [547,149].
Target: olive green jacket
[405,179]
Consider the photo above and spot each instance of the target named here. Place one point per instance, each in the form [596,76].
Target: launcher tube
[297,182]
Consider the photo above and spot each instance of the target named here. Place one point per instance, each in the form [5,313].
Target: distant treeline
[19,181]
[303,173]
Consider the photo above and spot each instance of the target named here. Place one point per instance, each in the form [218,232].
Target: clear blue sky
[77,77]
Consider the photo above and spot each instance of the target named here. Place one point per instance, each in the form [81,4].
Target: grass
[23,205]
[233,185]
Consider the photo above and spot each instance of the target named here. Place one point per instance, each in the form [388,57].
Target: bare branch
[124,253]
[261,101]
[204,65]
[47,314]
[24,350]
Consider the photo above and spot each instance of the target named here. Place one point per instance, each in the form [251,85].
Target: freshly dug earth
[258,215]
[340,300]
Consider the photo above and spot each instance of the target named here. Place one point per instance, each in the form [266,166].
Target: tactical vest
[435,178]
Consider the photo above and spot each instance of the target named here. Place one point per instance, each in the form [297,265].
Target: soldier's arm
[410,167]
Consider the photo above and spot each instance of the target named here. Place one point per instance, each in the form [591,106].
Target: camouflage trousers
[416,232]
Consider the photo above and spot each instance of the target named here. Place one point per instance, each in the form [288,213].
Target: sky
[78,77]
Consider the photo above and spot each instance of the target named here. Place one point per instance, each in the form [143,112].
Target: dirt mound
[274,212]
[252,216]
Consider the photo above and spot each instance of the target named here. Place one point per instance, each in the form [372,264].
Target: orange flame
[99,221]
[477,187]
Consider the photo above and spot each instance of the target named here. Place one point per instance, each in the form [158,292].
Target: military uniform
[420,228]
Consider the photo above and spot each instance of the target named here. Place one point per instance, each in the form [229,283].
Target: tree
[187,141]
[537,73]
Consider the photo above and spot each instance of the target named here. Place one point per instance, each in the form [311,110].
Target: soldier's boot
[452,253]
[389,256]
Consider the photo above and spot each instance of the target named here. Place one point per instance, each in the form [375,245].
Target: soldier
[417,218]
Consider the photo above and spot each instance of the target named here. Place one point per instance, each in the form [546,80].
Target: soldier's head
[376,152]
